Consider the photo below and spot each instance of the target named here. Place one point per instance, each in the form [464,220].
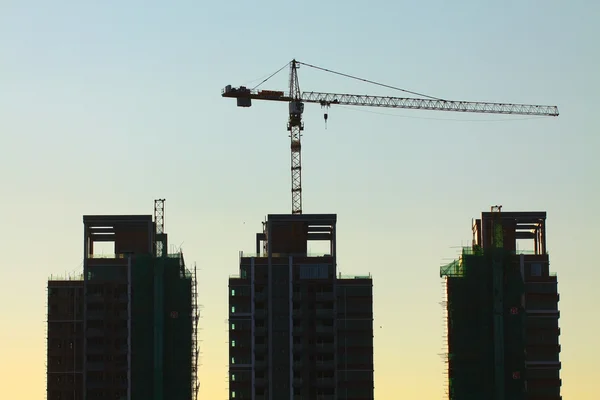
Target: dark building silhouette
[502,310]
[297,328]
[125,328]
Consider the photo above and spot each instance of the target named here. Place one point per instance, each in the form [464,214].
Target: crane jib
[428,104]
[327,99]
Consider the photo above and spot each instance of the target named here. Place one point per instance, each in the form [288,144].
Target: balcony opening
[525,246]
[103,249]
[318,248]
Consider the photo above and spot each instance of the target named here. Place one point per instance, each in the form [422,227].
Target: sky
[106,106]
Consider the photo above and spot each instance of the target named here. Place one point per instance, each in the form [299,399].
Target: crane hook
[325,105]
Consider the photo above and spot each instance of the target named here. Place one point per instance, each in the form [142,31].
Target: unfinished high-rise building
[126,327]
[502,312]
[297,328]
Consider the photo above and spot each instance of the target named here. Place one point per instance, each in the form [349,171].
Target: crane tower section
[295,127]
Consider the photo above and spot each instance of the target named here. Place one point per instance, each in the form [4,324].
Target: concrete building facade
[502,312]
[297,328]
[126,327]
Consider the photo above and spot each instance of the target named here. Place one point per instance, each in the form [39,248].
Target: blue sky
[105,106]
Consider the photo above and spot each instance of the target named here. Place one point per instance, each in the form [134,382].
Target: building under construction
[502,313]
[126,327]
[297,328]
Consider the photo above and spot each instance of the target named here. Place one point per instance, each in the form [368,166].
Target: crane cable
[270,76]
[368,81]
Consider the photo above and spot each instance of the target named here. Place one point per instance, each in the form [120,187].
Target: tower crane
[297,99]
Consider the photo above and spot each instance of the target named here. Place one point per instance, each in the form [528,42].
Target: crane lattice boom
[327,99]
[296,101]
[428,104]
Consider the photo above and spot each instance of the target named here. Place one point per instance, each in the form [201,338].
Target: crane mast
[295,127]
[297,99]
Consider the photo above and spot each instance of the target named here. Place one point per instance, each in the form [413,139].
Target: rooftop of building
[312,218]
[339,276]
[113,256]
[245,254]
[519,216]
[93,219]
[497,229]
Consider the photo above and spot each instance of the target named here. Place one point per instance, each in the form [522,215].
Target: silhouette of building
[502,312]
[297,328]
[126,327]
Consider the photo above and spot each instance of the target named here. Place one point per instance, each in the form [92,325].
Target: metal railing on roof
[308,254]
[340,276]
[75,276]
[107,256]
[479,251]
[456,267]
[124,255]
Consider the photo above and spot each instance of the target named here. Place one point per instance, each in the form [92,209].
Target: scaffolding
[195,346]
[46,344]
[444,354]
[483,339]
[468,307]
